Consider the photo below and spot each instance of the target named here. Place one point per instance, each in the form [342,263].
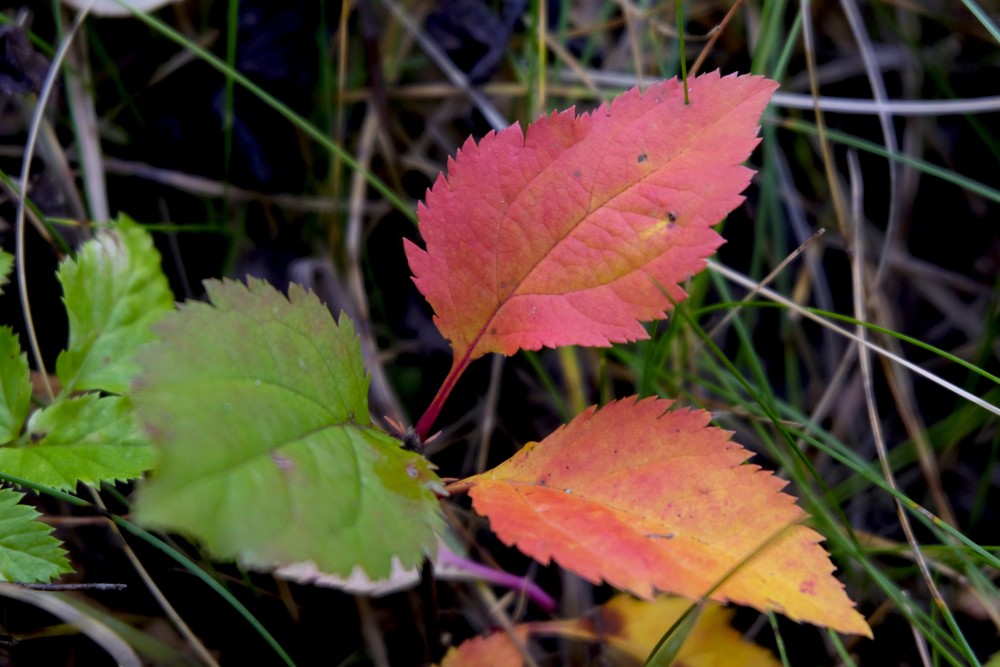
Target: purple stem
[446,557]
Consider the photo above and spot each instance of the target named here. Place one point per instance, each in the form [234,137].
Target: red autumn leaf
[651,500]
[573,233]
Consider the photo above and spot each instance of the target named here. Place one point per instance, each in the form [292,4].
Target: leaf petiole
[434,409]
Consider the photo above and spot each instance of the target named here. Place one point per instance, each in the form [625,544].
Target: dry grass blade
[79,86]
[454,74]
[875,80]
[196,645]
[384,397]
[102,635]
[867,107]
[738,278]
[714,331]
[864,356]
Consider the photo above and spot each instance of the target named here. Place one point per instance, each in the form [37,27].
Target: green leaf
[15,386]
[258,406]
[114,291]
[6,264]
[28,552]
[85,439]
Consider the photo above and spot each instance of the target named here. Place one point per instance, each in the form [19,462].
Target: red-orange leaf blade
[571,234]
[648,500]
[496,650]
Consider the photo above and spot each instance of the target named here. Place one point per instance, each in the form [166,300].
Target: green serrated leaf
[28,552]
[258,406]
[6,264]
[85,439]
[15,386]
[114,292]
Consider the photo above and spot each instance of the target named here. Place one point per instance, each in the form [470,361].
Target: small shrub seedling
[571,233]
[113,291]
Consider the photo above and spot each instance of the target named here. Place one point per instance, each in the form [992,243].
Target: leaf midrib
[524,278]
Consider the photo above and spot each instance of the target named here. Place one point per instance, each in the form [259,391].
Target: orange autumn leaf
[496,650]
[650,500]
[572,233]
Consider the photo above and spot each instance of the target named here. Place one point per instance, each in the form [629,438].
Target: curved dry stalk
[866,107]
[382,392]
[615,81]
[877,84]
[98,632]
[488,422]
[29,149]
[905,401]
[857,260]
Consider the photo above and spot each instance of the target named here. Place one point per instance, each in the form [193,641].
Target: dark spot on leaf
[808,587]
[282,462]
[611,622]
[672,217]
[576,173]
[37,437]
[493,331]
[642,158]
[588,626]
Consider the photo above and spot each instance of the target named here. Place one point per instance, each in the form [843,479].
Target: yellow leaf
[633,627]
